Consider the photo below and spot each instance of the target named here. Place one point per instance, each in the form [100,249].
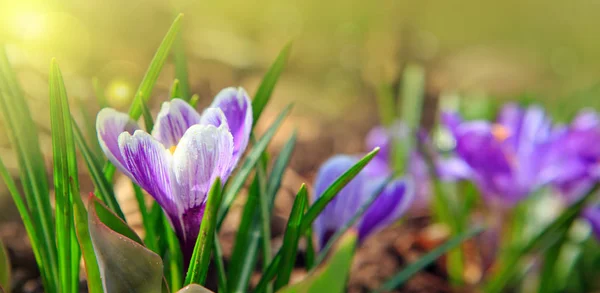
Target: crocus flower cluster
[506,159]
[388,207]
[179,161]
[522,151]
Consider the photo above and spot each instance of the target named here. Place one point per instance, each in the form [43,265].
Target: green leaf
[194,288]
[150,238]
[202,250]
[218,257]
[125,264]
[245,249]
[94,282]
[145,89]
[249,163]
[319,205]
[104,189]
[174,271]
[4,267]
[181,70]
[263,94]
[194,100]
[386,104]
[349,224]
[66,181]
[291,237]
[334,273]
[545,239]
[18,120]
[427,259]
[412,91]
[279,167]
[176,90]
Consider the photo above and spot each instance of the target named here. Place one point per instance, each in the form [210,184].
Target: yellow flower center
[500,132]
[172,149]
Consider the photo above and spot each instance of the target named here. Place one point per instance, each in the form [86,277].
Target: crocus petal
[215,117]
[387,208]
[174,118]
[203,154]
[148,163]
[109,125]
[453,168]
[344,205]
[379,137]
[237,107]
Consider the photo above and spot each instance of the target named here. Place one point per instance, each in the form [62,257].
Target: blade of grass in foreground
[291,237]
[66,181]
[263,94]
[250,162]
[427,259]
[145,89]
[318,206]
[202,250]
[32,169]
[314,211]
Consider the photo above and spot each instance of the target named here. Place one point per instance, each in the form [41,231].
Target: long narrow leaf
[263,94]
[427,259]
[31,166]
[250,162]
[279,167]
[174,271]
[4,267]
[349,224]
[94,282]
[218,256]
[181,70]
[331,191]
[66,181]
[290,239]
[202,251]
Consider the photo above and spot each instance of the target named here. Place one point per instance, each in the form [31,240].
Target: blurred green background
[548,50]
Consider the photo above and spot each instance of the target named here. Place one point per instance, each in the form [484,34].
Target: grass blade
[218,256]
[290,239]
[181,70]
[4,267]
[250,162]
[66,182]
[359,213]
[386,104]
[279,167]
[427,259]
[174,271]
[104,189]
[145,89]
[150,237]
[94,282]
[333,189]
[263,94]
[194,100]
[201,256]
[32,169]
[175,90]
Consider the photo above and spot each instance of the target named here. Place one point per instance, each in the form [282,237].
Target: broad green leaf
[202,250]
[332,276]
[125,264]
[18,121]
[291,237]
[250,162]
[66,181]
[194,288]
[427,259]
[4,267]
[104,189]
[333,189]
[349,224]
[263,94]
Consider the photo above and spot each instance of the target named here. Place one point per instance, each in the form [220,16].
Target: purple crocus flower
[576,156]
[417,168]
[388,207]
[178,163]
[508,159]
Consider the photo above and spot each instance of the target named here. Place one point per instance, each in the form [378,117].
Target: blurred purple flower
[387,208]
[576,156]
[178,163]
[508,159]
[417,168]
